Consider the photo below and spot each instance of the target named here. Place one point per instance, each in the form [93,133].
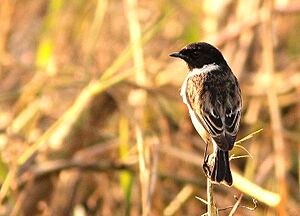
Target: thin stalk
[211,205]
[138,99]
[274,109]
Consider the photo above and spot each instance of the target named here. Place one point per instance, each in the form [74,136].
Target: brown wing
[216,101]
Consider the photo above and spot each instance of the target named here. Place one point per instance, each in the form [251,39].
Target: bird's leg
[205,154]
[206,162]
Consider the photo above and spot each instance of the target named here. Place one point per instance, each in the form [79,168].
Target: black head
[196,55]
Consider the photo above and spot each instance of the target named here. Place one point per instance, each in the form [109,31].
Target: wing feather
[216,102]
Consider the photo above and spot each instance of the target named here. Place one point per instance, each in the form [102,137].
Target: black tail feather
[221,170]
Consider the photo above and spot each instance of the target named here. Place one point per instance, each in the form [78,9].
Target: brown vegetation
[91,121]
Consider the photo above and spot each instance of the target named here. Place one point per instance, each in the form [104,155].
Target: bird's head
[199,54]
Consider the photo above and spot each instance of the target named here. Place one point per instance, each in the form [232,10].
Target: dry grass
[91,122]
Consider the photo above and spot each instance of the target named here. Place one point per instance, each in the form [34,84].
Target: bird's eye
[196,53]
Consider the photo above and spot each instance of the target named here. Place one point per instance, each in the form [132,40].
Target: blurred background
[92,123]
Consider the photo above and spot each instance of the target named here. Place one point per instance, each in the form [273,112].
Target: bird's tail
[221,170]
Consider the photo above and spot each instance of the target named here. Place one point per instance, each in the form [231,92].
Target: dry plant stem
[95,28]
[211,205]
[64,194]
[244,10]
[6,13]
[108,79]
[144,173]
[137,98]
[63,124]
[178,201]
[56,166]
[235,29]
[59,129]
[274,109]
[236,205]
[239,182]
[6,184]
[253,190]
[125,176]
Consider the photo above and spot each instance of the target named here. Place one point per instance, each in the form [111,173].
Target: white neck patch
[194,72]
[204,69]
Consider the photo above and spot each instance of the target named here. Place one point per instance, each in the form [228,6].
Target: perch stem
[211,205]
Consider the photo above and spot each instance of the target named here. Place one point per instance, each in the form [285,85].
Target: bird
[212,95]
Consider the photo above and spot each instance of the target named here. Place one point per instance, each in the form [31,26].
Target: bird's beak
[176,55]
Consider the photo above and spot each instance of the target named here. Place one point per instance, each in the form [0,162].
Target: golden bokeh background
[92,123]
